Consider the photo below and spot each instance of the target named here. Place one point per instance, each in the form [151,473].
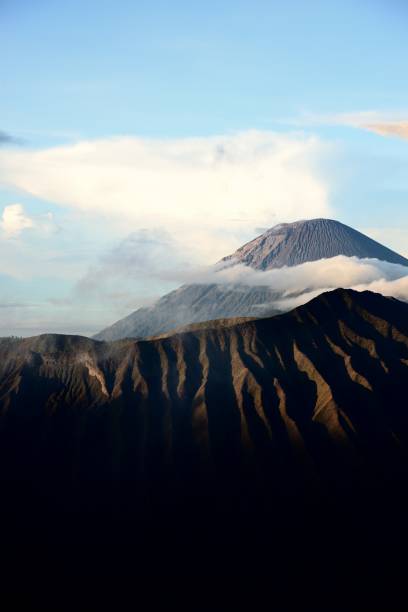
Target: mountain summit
[287,244]
[291,244]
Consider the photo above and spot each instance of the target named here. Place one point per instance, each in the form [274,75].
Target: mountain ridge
[320,311]
[213,392]
[270,447]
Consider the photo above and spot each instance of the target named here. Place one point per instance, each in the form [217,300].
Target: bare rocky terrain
[291,244]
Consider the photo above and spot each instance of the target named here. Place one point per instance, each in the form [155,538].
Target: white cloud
[289,286]
[208,193]
[14,221]
[340,271]
[297,285]
[397,288]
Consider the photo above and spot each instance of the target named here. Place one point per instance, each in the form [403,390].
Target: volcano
[291,244]
[288,244]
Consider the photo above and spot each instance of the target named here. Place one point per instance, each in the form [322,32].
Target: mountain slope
[193,303]
[273,448]
[292,380]
[288,244]
[291,244]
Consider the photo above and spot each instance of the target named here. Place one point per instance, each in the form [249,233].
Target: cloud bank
[287,287]
[208,193]
[298,284]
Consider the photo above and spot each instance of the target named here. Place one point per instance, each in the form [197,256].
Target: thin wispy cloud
[394,128]
[134,272]
[381,123]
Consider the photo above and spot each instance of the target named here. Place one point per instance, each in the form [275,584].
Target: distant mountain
[193,304]
[261,443]
[289,244]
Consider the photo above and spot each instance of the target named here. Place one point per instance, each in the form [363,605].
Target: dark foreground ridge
[288,244]
[273,447]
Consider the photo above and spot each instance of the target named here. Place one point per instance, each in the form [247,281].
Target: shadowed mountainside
[288,244]
[295,381]
[263,433]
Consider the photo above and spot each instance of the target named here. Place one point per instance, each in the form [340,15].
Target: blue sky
[106,102]
[176,69]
